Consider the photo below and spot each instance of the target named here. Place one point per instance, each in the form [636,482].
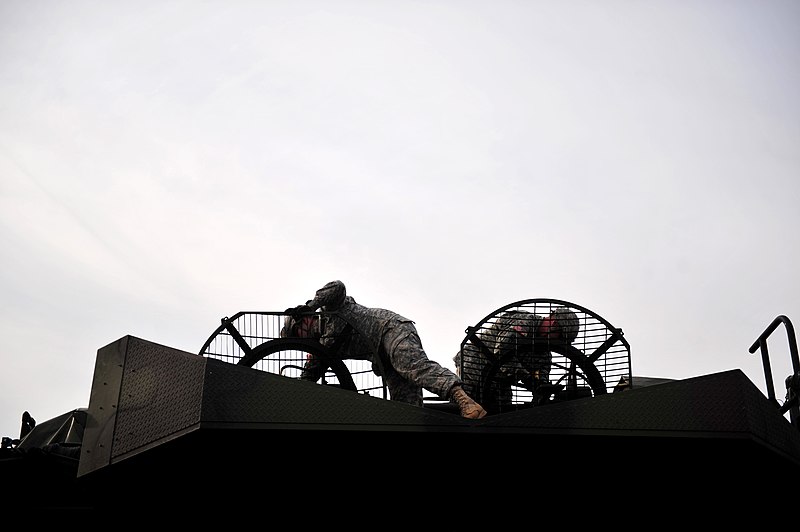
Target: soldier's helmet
[337,296]
[568,322]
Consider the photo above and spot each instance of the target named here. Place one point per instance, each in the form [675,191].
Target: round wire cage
[512,358]
[254,339]
[504,360]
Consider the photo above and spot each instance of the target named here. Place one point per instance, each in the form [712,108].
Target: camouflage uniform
[510,337]
[350,346]
[381,333]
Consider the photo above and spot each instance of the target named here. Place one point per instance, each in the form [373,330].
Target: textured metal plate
[236,395]
[160,395]
[98,435]
[142,394]
[210,419]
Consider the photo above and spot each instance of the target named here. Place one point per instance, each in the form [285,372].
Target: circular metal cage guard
[505,369]
[254,339]
[596,361]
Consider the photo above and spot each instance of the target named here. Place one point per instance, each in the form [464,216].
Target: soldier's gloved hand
[298,311]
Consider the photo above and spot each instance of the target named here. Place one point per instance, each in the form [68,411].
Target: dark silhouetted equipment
[165,423]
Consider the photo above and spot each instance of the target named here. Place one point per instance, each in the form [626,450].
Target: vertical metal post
[791,381]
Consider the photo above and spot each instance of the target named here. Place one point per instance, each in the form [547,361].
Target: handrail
[791,404]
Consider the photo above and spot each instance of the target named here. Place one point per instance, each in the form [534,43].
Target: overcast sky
[164,164]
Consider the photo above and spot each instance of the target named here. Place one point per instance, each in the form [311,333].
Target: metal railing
[792,381]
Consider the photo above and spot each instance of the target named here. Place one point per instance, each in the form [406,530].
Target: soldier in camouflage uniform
[394,338]
[354,346]
[509,342]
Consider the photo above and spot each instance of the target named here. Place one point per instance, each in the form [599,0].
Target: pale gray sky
[167,163]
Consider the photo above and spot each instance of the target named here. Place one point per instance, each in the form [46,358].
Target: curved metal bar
[589,373]
[251,355]
[303,344]
[217,331]
[588,359]
[761,342]
[526,302]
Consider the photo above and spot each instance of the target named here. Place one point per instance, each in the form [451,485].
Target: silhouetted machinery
[236,410]
[596,359]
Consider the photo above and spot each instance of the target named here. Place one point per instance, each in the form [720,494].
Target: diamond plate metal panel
[237,394]
[160,396]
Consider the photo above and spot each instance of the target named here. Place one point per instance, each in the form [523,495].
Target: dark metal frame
[792,381]
[598,358]
[253,339]
[598,361]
